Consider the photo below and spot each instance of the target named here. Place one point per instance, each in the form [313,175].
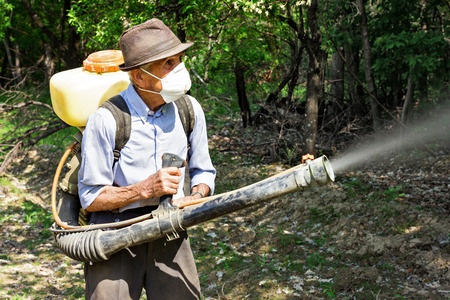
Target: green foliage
[28,39]
[5,11]
[36,216]
[417,52]
[407,41]
[100,24]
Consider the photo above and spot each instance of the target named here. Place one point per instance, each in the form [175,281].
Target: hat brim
[178,49]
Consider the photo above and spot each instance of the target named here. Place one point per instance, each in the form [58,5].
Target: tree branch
[9,107]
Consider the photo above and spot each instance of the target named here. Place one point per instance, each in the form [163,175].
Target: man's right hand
[164,182]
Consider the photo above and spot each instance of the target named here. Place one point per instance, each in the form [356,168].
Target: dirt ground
[380,231]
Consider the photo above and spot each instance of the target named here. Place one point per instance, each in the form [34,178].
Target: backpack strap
[121,113]
[187,116]
[119,108]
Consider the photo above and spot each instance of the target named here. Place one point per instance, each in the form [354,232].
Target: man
[133,185]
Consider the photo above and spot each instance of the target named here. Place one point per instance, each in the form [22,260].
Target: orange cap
[307,157]
[103,61]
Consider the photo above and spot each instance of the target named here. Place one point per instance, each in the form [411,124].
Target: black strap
[187,116]
[119,108]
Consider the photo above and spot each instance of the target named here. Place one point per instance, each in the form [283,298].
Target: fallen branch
[10,156]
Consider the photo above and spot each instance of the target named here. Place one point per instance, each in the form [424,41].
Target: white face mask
[174,85]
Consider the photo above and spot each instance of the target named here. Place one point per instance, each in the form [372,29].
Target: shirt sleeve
[201,169]
[96,169]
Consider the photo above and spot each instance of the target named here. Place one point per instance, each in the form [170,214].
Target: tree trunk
[408,99]
[49,63]
[297,52]
[368,66]
[13,61]
[3,67]
[67,43]
[313,91]
[355,96]
[314,83]
[337,85]
[242,95]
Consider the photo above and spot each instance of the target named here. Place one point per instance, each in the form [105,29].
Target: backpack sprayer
[91,243]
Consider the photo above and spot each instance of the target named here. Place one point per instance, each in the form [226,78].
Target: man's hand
[198,192]
[186,201]
[164,182]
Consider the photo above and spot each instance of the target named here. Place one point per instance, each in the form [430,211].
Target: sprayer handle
[170,160]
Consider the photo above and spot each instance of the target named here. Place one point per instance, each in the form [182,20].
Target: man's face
[161,68]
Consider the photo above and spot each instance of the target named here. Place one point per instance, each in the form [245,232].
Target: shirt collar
[135,103]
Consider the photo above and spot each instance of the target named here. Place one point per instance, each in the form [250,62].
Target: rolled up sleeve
[96,169]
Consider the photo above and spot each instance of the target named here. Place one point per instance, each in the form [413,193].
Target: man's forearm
[112,197]
[163,182]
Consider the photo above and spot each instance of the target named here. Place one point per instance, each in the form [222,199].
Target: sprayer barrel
[99,245]
[316,172]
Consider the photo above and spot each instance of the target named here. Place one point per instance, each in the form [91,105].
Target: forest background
[304,76]
[311,71]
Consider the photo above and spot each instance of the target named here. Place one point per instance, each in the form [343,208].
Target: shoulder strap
[119,108]
[186,112]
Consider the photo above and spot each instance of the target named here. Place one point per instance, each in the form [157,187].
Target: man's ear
[136,75]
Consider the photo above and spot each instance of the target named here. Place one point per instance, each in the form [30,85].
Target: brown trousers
[166,269]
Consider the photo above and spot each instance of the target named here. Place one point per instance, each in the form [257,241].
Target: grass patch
[328,290]
[36,214]
[38,218]
[6,183]
[315,260]
[355,187]
[393,193]
[61,139]
[286,240]
[324,216]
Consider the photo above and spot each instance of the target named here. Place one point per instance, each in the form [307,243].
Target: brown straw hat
[147,42]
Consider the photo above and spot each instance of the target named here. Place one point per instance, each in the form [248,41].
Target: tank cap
[103,61]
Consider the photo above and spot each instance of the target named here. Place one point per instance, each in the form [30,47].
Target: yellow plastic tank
[77,93]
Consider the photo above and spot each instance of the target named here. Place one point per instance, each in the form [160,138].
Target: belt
[136,211]
[116,216]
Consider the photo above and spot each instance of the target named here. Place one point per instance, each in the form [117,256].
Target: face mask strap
[148,91]
[148,73]
[145,90]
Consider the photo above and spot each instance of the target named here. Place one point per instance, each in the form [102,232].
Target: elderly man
[133,185]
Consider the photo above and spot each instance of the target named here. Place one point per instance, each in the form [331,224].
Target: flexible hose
[55,184]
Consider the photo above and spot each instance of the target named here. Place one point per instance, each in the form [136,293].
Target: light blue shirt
[152,134]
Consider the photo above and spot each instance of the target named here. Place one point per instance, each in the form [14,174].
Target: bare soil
[381,231]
